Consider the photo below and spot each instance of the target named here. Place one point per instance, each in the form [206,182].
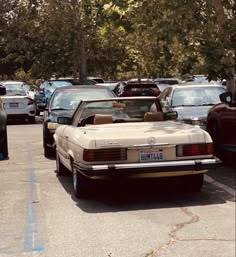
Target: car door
[228,122]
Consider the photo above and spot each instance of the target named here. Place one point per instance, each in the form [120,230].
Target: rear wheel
[193,183]
[61,169]
[197,182]
[80,184]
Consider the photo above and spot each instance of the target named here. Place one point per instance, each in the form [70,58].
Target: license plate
[151,156]
[14,105]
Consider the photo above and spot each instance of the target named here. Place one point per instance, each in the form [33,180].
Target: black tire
[80,184]
[193,183]
[197,182]
[49,152]
[61,169]
[38,112]
[31,119]
[5,146]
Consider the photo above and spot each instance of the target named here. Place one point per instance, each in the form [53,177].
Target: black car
[63,102]
[45,91]
[3,127]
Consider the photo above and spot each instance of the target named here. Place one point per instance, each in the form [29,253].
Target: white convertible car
[120,137]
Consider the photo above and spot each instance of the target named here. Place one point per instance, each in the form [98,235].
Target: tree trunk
[83,61]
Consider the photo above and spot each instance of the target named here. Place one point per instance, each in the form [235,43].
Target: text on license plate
[14,105]
[149,156]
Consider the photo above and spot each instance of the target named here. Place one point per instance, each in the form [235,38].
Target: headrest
[102,119]
[153,116]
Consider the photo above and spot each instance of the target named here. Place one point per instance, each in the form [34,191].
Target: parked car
[121,138]
[169,81]
[20,85]
[221,125]
[109,85]
[3,127]
[18,104]
[161,86]
[191,102]
[64,101]
[96,79]
[45,91]
[133,88]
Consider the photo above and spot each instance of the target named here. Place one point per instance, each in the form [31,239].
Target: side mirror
[226,97]
[42,106]
[2,90]
[170,115]
[64,120]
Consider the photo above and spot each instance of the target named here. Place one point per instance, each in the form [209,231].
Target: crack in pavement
[174,229]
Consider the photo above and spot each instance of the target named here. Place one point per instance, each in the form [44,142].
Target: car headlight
[52,125]
[195,122]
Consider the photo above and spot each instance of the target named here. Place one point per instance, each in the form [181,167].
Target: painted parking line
[32,237]
[227,189]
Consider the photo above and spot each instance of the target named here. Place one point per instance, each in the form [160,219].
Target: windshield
[15,89]
[127,110]
[196,96]
[69,99]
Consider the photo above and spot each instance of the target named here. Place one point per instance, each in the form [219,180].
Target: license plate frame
[14,105]
[151,155]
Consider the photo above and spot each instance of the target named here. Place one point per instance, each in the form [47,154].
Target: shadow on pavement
[38,120]
[117,196]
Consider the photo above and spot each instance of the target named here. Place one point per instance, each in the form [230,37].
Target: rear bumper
[20,116]
[153,169]
[21,113]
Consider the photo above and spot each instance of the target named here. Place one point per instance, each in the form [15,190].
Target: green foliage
[116,38]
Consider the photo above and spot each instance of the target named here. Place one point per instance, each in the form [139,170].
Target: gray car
[191,102]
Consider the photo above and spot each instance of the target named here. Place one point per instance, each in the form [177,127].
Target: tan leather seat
[102,119]
[153,116]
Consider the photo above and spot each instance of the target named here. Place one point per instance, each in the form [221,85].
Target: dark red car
[221,125]
[133,88]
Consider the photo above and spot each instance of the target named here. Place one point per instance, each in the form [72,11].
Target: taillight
[110,154]
[30,100]
[194,149]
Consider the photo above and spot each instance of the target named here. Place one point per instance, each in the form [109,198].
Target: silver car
[191,102]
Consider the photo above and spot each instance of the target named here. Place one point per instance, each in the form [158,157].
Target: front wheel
[4,148]
[31,119]
[49,152]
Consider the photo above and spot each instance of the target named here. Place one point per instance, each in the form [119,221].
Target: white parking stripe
[228,189]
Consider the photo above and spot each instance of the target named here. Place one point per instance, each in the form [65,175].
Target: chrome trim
[151,146]
[198,164]
[154,164]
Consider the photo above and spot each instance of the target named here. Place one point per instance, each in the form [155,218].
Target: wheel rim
[57,163]
[74,179]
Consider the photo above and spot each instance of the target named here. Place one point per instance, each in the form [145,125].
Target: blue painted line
[32,240]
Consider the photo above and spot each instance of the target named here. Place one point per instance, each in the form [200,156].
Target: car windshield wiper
[60,109]
[206,104]
[183,105]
